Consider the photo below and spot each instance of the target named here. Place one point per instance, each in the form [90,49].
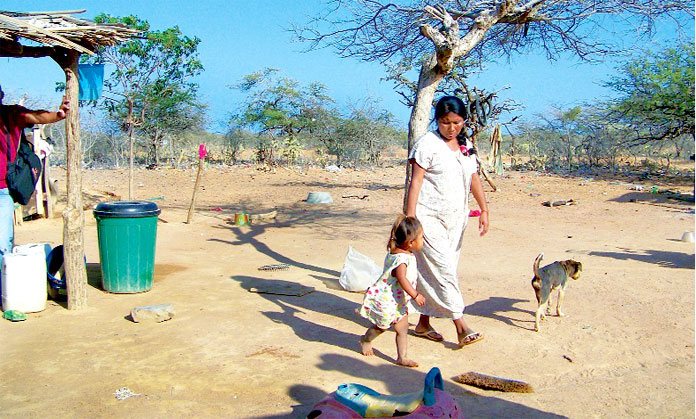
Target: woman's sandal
[470,338]
[430,334]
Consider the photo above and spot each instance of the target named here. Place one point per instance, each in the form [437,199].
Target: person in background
[13,119]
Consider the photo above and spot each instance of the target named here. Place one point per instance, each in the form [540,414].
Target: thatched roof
[56,29]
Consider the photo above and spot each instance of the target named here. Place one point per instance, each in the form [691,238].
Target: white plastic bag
[359,271]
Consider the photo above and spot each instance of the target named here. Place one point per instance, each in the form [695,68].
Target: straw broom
[491,382]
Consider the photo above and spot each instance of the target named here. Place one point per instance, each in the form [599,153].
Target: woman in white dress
[444,173]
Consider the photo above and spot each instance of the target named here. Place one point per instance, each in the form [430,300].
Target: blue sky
[241,37]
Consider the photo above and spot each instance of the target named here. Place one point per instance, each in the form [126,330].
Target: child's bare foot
[407,363]
[366,347]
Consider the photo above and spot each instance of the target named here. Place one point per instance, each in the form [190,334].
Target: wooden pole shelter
[73,215]
[71,38]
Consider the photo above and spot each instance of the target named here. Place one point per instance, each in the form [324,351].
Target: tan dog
[547,279]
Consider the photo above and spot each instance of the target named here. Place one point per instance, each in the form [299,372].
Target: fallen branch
[255,218]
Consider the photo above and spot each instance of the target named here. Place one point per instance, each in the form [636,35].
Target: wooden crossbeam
[63,41]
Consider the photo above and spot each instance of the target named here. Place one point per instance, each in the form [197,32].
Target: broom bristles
[492,382]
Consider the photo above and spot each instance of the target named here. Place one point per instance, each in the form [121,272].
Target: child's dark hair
[404,228]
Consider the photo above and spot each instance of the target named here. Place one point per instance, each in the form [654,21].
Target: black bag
[23,173]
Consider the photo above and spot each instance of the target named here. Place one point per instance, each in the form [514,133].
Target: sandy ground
[626,348]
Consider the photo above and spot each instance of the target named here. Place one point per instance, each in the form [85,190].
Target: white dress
[443,210]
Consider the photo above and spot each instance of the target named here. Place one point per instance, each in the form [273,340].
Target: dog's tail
[536,264]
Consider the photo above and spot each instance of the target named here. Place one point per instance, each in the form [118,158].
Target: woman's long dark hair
[448,104]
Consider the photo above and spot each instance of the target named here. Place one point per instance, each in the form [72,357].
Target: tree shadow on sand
[261,247]
[399,380]
[493,308]
[665,259]
[685,201]
[292,308]
[324,221]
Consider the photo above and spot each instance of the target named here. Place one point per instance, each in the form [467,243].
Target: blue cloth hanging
[91,79]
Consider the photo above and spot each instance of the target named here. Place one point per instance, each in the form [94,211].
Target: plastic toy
[357,401]
[14,315]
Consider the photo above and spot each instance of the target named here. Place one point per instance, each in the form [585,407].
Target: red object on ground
[474,213]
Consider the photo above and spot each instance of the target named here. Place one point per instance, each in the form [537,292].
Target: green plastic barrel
[127,232]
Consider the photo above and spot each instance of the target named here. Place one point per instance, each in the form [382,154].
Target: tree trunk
[156,141]
[449,47]
[74,216]
[569,152]
[428,81]
[157,150]
[131,153]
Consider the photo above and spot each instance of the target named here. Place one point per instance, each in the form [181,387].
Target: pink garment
[15,115]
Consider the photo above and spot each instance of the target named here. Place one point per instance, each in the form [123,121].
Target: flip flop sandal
[470,338]
[430,334]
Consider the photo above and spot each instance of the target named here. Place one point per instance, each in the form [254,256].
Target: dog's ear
[572,268]
[577,269]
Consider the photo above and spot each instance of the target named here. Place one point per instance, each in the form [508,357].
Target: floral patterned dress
[386,302]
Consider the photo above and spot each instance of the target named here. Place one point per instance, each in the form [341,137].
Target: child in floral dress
[386,301]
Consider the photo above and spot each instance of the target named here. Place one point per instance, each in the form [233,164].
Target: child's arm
[400,274]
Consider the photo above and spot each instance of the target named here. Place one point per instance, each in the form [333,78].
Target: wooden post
[202,151]
[131,152]
[482,167]
[73,215]
[485,175]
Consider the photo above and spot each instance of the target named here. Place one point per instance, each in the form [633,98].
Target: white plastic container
[41,248]
[24,278]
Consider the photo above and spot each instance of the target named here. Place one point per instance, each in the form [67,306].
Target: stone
[157,313]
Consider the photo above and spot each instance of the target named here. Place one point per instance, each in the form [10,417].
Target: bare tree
[439,34]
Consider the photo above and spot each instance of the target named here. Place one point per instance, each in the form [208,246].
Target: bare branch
[377,31]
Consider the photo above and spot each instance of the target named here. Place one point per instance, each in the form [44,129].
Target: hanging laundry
[91,79]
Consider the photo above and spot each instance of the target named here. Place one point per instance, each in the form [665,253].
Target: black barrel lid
[126,209]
